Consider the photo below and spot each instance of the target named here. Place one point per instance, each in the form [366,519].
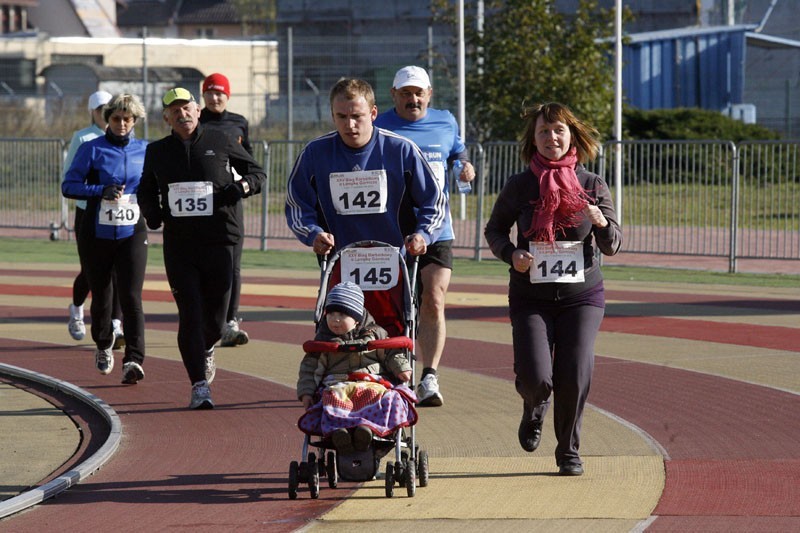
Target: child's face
[340,323]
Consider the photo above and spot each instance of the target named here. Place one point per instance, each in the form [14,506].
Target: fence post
[265,199]
[734,240]
[480,173]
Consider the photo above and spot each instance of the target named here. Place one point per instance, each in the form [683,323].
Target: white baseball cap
[411,75]
[99,98]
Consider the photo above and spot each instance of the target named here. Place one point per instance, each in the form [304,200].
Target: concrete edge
[82,471]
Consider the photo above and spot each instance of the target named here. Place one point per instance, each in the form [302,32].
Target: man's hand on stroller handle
[323,243]
[415,244]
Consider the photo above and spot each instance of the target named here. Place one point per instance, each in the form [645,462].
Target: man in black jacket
[187,185]
[216,92]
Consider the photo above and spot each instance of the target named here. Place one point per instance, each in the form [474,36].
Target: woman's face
[121,123]
[552,139]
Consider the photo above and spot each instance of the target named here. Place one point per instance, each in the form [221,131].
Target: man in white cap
[435,131]
[188,187]
[80,287]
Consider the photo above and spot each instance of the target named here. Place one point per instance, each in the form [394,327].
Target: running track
[729,426]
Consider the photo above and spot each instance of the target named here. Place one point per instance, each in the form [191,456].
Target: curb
[82,471]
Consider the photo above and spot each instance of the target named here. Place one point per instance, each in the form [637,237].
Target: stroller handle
[392,343]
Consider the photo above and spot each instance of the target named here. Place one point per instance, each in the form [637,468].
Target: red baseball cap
[217,82]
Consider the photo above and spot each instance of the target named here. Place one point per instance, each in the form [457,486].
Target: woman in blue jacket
[106,172]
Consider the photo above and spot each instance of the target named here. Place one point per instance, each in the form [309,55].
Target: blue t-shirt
[436,134]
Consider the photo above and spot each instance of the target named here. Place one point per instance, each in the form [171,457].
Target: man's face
[410,102]
[182,117]
[353,120]
[215,101]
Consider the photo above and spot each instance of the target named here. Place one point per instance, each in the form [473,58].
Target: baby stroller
[381,272]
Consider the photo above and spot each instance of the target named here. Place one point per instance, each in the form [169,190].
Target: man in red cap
[216,93]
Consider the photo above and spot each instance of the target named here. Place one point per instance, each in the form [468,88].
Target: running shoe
[232,335]
[132,373]
[104,360]
[119,335]
[76,326]
[428,392]
[201,396]
[211,366]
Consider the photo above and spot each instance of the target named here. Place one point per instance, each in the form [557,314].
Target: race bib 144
[557,262]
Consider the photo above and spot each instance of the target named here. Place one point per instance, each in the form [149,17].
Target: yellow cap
[177,94]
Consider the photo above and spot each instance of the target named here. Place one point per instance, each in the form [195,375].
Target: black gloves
[231,194]
[153,222]
[112,192]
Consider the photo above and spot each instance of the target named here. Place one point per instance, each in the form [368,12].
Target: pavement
[692,420]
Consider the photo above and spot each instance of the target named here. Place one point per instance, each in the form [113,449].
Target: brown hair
[352,88]
[585,138]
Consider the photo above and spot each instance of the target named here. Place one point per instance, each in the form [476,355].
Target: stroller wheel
[293,483]
[313,476]
[322,468]
[411,478]
[422,468]
[330,470]
[399,473]
[389,479]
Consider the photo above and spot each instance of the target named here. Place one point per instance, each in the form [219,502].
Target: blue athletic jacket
[319,199]
[106,160]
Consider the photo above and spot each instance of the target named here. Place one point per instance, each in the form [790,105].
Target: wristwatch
[245,187]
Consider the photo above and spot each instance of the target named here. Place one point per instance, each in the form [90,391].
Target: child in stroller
[349,395]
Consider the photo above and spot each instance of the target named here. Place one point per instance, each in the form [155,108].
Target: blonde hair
[352,88]
[127,103]
[585,138]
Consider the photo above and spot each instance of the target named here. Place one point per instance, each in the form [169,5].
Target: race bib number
[372,269]
[191,199]
[121,212]
[557,262]
[358,193]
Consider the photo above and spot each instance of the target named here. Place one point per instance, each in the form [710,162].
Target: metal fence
[690,198]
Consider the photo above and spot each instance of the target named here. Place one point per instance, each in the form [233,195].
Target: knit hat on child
[347,298]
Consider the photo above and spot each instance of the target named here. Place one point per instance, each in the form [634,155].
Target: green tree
[527,53]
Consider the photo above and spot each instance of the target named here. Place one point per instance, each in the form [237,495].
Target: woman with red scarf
[563,213]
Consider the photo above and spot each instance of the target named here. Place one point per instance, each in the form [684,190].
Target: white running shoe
[119,335]
[211,366]
[104,360]
[232,335]
[132,373]
[428,392]
[201,396]
[76,326]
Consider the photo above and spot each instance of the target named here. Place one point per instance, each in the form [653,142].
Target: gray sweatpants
[554,353]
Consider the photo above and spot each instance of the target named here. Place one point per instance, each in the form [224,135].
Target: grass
[14,250]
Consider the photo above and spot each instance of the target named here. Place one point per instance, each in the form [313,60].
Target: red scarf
[561,197]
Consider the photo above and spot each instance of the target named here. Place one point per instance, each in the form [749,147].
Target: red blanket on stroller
[348,404]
